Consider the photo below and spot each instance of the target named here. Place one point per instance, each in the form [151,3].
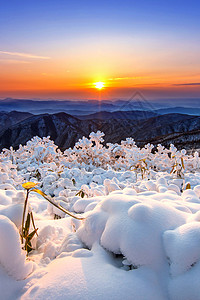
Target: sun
[99,85]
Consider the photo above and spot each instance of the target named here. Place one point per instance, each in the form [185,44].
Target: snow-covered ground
[140,237]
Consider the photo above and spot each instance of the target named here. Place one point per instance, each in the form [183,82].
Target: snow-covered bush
[140,213]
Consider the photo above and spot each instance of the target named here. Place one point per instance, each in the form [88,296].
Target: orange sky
[54,51]
[73,74]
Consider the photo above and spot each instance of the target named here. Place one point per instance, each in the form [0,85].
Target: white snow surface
[140,238]
[12,258]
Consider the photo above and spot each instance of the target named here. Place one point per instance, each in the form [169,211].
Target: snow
[182,247]
[12,257]
[139,238]
[186,285]
[93,277]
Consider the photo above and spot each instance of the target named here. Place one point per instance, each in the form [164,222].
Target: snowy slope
[140,235]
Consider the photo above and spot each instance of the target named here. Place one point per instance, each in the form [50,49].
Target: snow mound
[48,241]
[14,213]
[125,225]
[182,247]
[70,243]
[4,199]
[12,257]
[81,204]
[94,276]
[186,286]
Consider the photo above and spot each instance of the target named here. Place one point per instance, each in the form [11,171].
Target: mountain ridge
[66,129]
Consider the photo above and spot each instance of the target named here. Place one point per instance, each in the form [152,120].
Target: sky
[59,49]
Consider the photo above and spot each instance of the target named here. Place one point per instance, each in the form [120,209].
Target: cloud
[13,61]
[25,55]
[186,84]
[125,78]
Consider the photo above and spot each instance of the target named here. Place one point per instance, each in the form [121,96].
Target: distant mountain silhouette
[55,106]
[8,119]
[130,115]
[180,129]
[179,110]
[64,129]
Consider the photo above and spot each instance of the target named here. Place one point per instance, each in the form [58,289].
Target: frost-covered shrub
[41,158]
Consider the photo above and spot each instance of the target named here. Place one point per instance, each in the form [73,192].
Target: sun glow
[99,85]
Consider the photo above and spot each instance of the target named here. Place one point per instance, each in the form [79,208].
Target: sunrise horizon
[60,50]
